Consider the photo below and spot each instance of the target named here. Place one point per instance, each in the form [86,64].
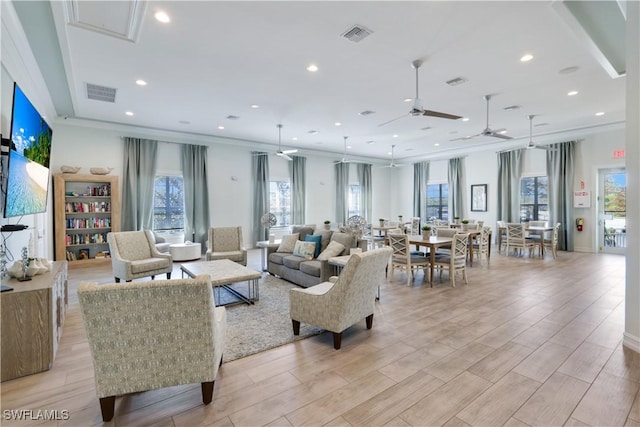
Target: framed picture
[479,198]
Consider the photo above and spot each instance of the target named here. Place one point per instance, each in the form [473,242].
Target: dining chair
[414,226]
[374,241]
[501,237]
[402,257]
[517,240]
[481,244]
[536,235]
[445,232]
[552,243]
[457,260]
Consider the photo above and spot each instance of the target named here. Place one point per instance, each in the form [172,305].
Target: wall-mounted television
[29,153]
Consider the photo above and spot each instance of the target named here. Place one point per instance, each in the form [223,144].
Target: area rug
[263,325]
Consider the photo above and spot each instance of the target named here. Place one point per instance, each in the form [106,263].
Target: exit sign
[618,154]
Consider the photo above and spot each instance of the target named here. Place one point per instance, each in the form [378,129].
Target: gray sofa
[304,272]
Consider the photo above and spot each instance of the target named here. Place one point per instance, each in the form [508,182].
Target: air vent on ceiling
[356,33]
[101,93]
[232,117]
[457,81]
[540,124]
[366,112]
[512,107]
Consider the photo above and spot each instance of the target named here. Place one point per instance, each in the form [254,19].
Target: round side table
[185,251]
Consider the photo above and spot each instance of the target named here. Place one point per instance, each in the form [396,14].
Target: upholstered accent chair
[226,243]
[134,255]
[344,300]
[152,334]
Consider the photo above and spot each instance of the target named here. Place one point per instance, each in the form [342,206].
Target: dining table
[431,242]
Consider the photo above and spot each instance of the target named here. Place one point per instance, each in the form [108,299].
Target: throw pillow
[326,238]
[334,249]
[304,249]
[288,243]
[317,240]
[302,230]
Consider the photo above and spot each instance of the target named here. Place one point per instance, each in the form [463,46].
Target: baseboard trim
[631,342]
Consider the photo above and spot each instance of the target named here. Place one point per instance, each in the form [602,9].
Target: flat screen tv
[29,153]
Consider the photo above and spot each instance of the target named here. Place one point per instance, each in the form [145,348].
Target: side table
[185,251]
[264,245]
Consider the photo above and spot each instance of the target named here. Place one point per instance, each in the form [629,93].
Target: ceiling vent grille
[356,33]
[366,112]
[232,117]
[512,107]
[101,93]
[457,81]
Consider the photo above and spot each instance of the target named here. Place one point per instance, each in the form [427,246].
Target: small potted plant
[400,219]
[381,222]
[327,225]
[426,231]
[465,224]
[456,219]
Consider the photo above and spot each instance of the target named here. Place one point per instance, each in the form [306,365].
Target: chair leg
[107,407]
[369,321]
[153,277]
[296,327]
[337,340]
[207,392]
[168,276]
[117,279]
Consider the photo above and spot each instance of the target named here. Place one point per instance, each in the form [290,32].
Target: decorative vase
[426,234]
[381,223]
[465,227]
[327,226]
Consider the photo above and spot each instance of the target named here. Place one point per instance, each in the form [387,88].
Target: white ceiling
[216,59]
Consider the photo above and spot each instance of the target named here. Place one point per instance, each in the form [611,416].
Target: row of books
[90,222]
[83,239]
[79,207]
[84,254]
[99,190]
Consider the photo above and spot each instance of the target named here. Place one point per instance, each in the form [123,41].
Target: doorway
[612,211]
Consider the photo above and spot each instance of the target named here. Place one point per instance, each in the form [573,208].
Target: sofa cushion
[334,249]
[288,243]
[326,238]
[278,257]
[317,240]
[143,265]
[346,239]
[305,250]
[293,261]
[302,230]
[312,268]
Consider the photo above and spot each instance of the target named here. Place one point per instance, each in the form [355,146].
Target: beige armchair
[335,306]
[134,255]
[163,347]
[226,243]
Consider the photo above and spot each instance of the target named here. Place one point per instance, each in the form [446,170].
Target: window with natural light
[438,201]
[280,202]
[354,200]
[534,198]
[168,203]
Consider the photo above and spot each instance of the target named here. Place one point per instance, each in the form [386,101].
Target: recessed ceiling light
[141,82]
[526,58]
[221,127]
[465,119]
[255,106]
[436,144]
[389,152]
[600,113]
[295,138]
[312,67]
[162,17]
[572,93]
[338,124]
[408,99]
[129,113]
[348,146]
[396,135]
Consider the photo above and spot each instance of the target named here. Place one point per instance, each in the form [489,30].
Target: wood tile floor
[528,342]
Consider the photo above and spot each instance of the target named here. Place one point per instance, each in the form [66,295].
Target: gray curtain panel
[420,179]
[298,173]
[138,177]
[456,189]
[364,178]
[342,192]
[196,193]
[260,180]
[560,172]
[509,172]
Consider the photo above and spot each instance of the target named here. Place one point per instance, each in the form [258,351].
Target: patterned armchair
[134,255]
[226,243]
[337,305]
[164,347]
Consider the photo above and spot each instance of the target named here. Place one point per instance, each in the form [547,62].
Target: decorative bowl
[69,169]
[100,171]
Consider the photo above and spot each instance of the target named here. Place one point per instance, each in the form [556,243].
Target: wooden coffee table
[223,273]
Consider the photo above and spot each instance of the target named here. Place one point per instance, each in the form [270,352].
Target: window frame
[168,209]
[443,205]
[536,205]
[286,210]
[355,201]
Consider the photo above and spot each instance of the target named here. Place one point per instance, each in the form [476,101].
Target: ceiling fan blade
[441,115]
[284,156]
[499,135]
[393,120]
[464,138]
[289,151]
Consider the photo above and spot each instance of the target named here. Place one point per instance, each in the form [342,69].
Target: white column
[632,298]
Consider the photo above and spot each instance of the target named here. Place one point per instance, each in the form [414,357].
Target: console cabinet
[33,314]
[87,207]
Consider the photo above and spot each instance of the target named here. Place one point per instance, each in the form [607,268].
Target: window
[280,202]
[534,198]
[168,203]
[438,201]
[354,200]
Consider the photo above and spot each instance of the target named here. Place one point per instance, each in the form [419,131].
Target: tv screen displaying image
[30,150]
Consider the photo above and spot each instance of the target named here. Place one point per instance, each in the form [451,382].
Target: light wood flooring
[529,341]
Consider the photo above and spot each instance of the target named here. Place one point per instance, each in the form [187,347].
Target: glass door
[612,211]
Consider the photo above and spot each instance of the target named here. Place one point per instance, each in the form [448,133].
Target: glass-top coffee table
[223,274]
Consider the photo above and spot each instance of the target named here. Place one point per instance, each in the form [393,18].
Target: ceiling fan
[283,153]
[344,156]
[393,163]
[530,144]
[497,133]
[417,109]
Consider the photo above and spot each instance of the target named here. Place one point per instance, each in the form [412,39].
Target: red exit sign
[618,154]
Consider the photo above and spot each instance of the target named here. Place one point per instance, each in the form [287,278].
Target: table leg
[432,261]
[470,249]
[264,259]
